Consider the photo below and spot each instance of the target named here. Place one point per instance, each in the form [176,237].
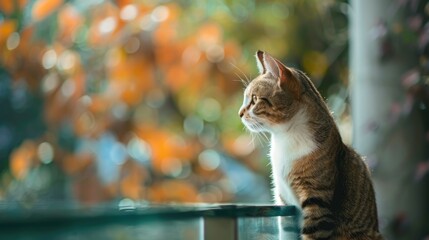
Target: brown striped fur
[328,180]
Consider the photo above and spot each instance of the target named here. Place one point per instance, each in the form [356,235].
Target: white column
[392,147]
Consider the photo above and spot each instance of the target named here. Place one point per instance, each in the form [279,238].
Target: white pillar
[393,147]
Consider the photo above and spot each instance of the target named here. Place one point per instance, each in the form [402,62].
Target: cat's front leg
[278,200]
[318,220]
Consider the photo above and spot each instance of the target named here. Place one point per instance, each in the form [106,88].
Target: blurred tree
[139,99]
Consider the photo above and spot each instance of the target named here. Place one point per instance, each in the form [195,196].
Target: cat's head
[272,98]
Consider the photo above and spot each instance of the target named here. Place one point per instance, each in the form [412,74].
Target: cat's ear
[266,63]
[283,74]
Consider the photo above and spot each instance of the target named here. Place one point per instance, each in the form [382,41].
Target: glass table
[129,220]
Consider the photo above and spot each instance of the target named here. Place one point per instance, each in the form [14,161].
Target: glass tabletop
[130,220]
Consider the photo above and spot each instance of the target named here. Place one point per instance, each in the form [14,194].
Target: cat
[311,166]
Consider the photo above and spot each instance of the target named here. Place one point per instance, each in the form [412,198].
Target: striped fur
[312,167]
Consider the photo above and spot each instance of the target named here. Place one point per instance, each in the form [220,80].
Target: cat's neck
[304,134]
[293,140]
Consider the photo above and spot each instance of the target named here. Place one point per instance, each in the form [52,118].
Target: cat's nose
[241,112]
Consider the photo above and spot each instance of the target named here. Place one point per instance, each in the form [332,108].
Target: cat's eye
[254,98]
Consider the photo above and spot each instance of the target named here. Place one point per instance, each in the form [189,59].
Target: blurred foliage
[103,100]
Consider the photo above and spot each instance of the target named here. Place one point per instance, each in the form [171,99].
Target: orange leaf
[232,49]
[168,151]
[6,28]
[173,191]
[165,34]
[132,186]
[6,6]
[22,159]
[76,163]
[42,8]
[130,79]
[69,21]
[177,78]
[99,104]
[209,34]
[122,3]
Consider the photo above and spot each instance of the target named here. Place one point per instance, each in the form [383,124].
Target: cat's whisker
[247,79]
[264,137]
[244,82]
[252,135]
[262,133]
[260,138]
[267,139]
[255,136]
[253,140]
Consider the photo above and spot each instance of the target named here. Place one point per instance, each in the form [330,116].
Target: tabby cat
[312,167]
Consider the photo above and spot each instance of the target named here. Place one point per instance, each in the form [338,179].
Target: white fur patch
[289,142]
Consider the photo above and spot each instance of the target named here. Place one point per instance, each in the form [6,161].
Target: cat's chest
[282,160]
[285,151]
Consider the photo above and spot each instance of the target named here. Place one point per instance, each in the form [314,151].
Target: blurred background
[105,101]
